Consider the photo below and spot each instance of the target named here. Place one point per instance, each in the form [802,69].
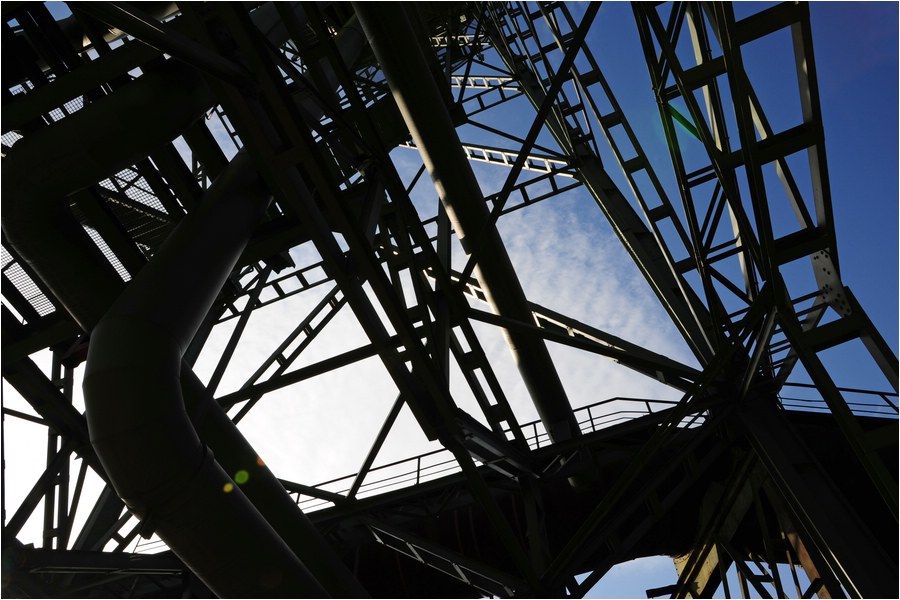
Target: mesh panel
[57,114]
[147,230]
[100,242]
[130,183]
[10,138]
[108,253]
[26,286]
[138,209]
[74,105]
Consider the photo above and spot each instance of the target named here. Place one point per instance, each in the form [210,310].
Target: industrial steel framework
[160,163]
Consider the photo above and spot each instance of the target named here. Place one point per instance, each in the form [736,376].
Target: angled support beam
[687,312]
[698,574]
[654,366]
[851,551]
[44,483]
[586,534]
[874,342]
[230,347]
[392,415]
[165,38]
[866,453]
[290,163]
[425,113]
[472,572]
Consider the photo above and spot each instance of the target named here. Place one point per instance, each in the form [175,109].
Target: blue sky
[856,51]
[856,55]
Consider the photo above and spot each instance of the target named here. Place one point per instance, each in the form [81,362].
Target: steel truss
[768,471]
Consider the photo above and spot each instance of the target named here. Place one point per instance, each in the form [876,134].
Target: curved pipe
[43,232]
[136,414]
[234,452]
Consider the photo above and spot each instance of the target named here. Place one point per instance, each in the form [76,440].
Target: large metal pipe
[40,229]
[234,452]
[418,97]
[137,418]
[34,217]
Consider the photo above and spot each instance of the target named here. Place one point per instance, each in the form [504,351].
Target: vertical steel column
[393,41]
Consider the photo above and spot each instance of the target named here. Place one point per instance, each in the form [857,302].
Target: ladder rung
[633,165]
[659,213]
[569,110]
[611,120]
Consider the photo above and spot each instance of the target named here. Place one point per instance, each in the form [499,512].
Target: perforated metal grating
[135,205]
[11,137]
[148,230]
[100,243]
[135,187]
[108,253]
[25,285]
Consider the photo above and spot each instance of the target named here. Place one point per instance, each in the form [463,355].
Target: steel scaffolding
[176,175]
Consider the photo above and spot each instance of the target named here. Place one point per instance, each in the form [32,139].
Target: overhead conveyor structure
[236,236]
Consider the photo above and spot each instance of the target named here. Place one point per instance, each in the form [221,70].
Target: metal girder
[617,531]
[651,257]
[499,156]
[480,576]
[557,325]
[83,562]
[460,194]
[28,107]
[51,404]
[698,573]
[884,480]
[649,451]
[522,157]
[401,222]
[21,340]
[333,302]
[152,32]
[828,520]
[288,184]
[337,186]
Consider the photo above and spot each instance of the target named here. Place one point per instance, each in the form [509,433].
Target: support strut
[393,41]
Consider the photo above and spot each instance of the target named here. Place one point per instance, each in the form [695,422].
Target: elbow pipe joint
[167,477]
[136,412]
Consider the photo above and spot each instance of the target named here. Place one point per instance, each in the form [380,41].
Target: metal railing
[594,417]
[439,463]
[862,403]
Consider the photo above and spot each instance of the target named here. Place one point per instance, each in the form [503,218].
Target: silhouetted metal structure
[160,161]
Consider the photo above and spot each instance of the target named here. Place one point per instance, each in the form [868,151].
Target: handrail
[588,421]
[885,397]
